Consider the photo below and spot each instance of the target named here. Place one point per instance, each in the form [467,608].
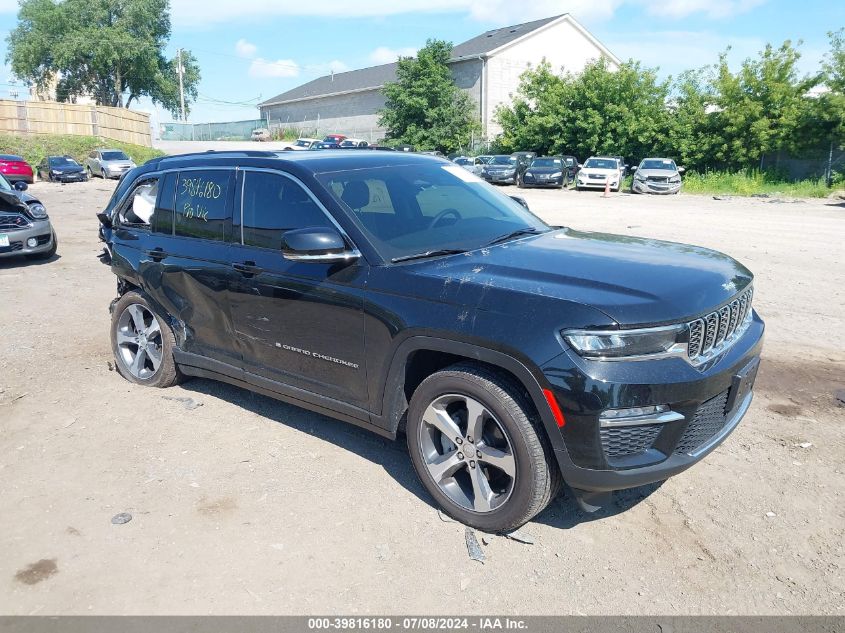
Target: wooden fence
[49,117]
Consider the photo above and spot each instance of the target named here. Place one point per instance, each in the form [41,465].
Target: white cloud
[195,13]
[385,55]
[245,49]
[264,68]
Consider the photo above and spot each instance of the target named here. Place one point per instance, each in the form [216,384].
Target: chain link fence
[225,131]
[821,163]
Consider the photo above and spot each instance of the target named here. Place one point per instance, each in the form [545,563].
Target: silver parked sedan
[657,175]
[108,163]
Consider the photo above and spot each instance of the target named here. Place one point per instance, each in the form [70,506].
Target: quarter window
[201,204]
[274,204]
[139,208]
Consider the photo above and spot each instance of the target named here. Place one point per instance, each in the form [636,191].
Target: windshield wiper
[529,230]
[437,253]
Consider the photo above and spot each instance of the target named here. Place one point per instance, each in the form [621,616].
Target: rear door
[298,323]
[184,256]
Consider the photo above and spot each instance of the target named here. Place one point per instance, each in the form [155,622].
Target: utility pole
[180,70]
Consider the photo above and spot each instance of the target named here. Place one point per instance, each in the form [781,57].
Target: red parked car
[15,168]
[334,138]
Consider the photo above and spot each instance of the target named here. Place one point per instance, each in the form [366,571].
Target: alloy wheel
[467,453]
[139,341]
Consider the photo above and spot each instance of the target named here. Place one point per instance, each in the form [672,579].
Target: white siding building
[488,67]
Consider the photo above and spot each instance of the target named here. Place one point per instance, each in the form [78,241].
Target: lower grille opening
[708,420]
[628,441]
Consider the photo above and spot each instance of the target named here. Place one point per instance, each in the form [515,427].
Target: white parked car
[302,144]
[599,171]
[353,143]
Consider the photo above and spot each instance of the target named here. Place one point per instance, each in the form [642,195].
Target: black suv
[401,293]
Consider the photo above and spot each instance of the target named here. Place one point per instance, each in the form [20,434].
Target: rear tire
[500,478]
[143,343]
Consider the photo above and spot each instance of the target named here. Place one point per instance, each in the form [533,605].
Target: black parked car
[61,169]
[398,293]
[502,169]
[546,171]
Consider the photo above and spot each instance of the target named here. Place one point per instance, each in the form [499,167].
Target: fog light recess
[635,416]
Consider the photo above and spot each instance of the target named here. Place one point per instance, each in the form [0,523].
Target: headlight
[613,344]
[675,180]
[557,174]
[58,172]
[38,211]
[640,177]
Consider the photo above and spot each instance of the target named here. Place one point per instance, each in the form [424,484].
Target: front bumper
[41,230]
[530,182]
[115,172]
[712,400]
[500,179]
[597,183]
[74,177]
[664,188]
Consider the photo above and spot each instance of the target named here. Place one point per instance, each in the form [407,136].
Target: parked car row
[526,169]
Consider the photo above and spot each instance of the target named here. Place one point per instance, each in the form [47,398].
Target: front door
[298,323]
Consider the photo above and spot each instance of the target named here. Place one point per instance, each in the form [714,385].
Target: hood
[23,196]
[634,281]
[660,173]
[544,170]
[118,163]
[67,169]
[500,167]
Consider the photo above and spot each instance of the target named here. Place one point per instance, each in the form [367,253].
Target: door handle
[156,254]
[248,269]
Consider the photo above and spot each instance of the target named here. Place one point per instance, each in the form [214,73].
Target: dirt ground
[246,505]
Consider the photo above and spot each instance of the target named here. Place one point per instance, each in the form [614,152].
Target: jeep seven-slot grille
[708,420]
[715,331]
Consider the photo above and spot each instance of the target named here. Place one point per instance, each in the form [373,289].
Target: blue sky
[253,50]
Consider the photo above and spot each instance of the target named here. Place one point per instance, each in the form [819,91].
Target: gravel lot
[247,505]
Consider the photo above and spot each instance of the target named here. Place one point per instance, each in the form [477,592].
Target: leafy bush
[35,148]
[752,182]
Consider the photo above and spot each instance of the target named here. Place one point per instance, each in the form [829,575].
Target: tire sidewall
[518,503]
[159,377]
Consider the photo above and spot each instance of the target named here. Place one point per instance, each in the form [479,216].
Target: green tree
[111,50]
[760,109]
[602,110]
[424,106]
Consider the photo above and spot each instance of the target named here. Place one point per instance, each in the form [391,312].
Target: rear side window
[165,207]
[201,204]
[272,205]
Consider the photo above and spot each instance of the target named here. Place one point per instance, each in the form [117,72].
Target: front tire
[478,447]
[143,342]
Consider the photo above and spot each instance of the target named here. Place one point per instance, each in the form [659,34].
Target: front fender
[394,403]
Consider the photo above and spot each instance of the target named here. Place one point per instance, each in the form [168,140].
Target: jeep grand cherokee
[399,292]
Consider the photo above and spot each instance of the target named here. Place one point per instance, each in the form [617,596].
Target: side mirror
[520,200]
[681,170]
[105,220]
[634,168]
[20,185]
[317,245]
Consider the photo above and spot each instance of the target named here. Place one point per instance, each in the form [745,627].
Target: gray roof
[491,40]
[376,76]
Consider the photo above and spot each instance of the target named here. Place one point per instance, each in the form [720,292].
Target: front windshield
[601,163]
[411,209]
[115,156]
[546,162]
[63,161]
[503,160]
[303,143]
[4,184]
[658,163]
